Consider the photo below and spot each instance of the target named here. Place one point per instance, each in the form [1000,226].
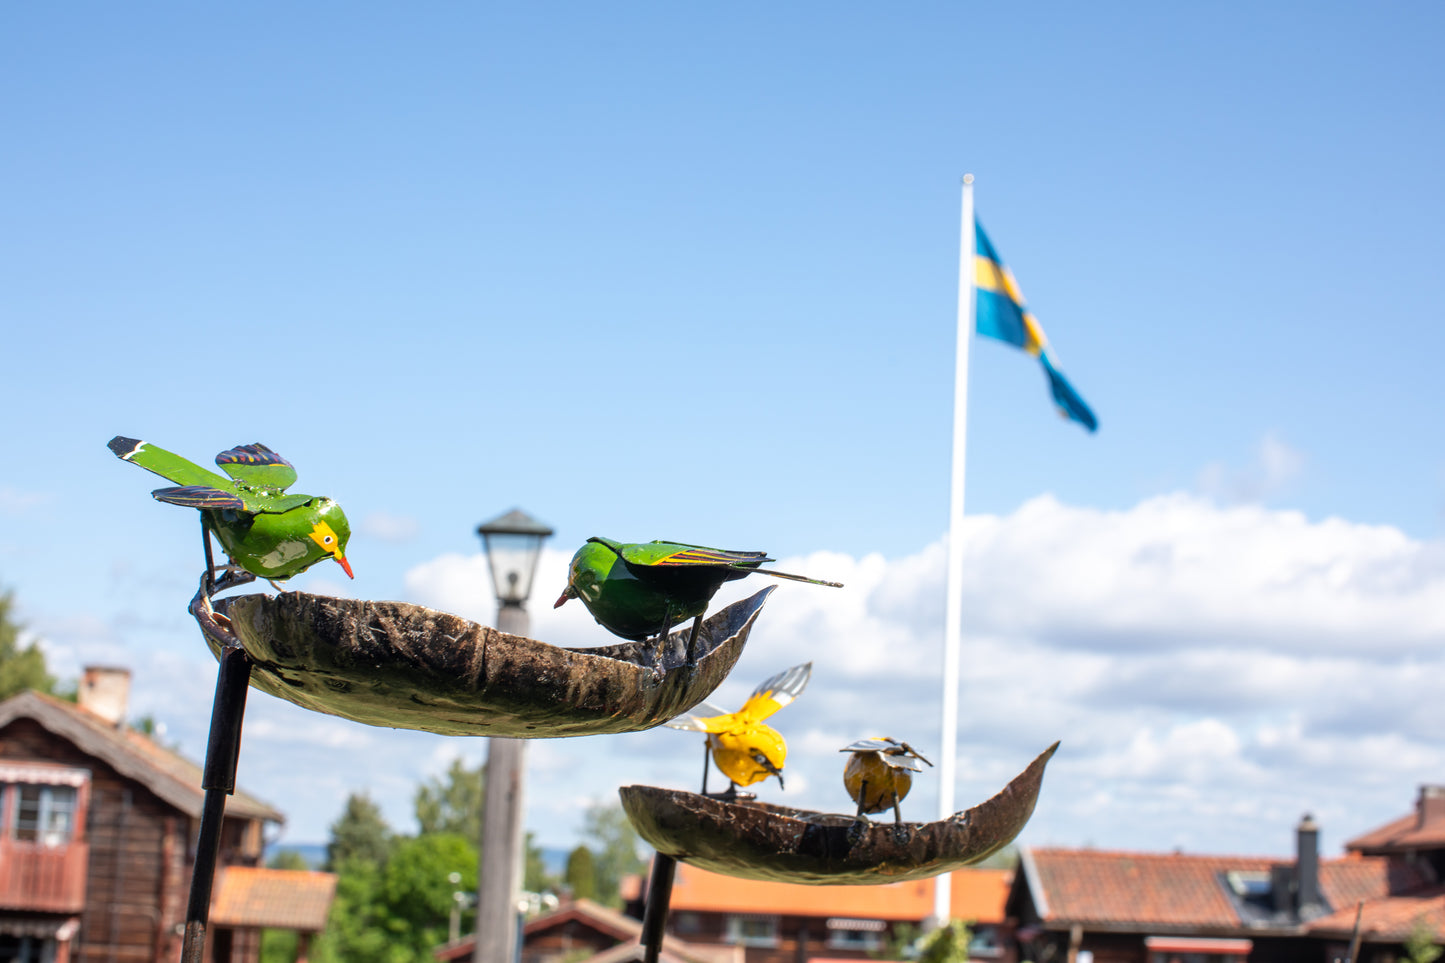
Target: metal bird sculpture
[264,530]
[746,749]
[879,774]
[642,589]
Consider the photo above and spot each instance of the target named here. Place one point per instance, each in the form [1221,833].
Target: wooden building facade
[98,825]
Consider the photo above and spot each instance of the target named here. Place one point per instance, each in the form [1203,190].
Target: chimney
[1431,806]
[1307,869]
[104,691]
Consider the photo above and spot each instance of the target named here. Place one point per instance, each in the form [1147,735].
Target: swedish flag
[1002,314]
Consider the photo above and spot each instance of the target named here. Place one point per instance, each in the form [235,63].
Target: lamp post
[513,544]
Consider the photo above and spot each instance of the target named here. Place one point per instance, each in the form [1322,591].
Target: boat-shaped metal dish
[405,666]
[755,840]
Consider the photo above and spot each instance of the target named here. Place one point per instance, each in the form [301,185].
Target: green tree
[359,834]
[417,890]
[452,803]
[287,859]
[1420,945]
[947,944]
[535,877]
[581,874]
[614,849]
[21,667]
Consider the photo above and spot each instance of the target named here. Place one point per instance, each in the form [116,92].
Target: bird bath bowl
[754,840]
[404,666]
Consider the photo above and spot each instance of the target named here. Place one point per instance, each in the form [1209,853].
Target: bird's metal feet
[731,794]
[860,825]
[212,623]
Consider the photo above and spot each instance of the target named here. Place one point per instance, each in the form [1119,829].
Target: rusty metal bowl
[756,840]
[405,666]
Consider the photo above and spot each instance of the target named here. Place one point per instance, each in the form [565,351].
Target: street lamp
[513,543]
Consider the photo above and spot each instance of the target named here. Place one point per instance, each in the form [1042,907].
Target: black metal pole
[659,897]
[218,779]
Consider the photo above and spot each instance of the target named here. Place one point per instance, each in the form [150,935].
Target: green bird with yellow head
[264,530]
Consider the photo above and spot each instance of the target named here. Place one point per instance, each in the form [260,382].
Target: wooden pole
[500,875]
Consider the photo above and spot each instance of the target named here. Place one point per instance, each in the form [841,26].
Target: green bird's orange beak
[567,593]
[341,560]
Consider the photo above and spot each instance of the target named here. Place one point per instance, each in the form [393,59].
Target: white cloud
[16,501]
[1275,467]
[1212,671]
[388,528]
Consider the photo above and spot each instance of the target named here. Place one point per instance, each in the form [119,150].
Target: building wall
[135,878]
[563,939]
[799,938]
[138,878]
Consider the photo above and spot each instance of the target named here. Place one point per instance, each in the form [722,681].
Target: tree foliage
[452,803]
[21,667]
[614,849]
[360,834]
[1420,945]
[581,873]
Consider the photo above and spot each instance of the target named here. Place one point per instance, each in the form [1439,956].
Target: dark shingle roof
[169,775]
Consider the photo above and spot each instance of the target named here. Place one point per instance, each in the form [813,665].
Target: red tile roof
[1422,829]
[283,899]
[1403,833]
[976,894]
[1177,890]
[1389,920]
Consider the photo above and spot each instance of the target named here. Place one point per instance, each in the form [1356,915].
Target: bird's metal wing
[168,465]
[679,553]
[703,718]
[899,755]
[257,465]
[871,745]
[198,496]
[776,692]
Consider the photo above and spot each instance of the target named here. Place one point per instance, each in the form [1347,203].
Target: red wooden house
[98,828]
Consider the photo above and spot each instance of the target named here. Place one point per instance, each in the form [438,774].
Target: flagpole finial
[968,178]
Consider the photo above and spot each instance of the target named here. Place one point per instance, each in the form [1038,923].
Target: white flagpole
[953,609]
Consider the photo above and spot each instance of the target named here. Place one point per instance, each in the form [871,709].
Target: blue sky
[659,271]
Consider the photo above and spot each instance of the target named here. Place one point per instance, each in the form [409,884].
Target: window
[854,940]
[862,935]
[984,944]
[753,930]
[43,814]
[25,949]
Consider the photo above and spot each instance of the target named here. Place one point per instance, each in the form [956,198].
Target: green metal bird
[642,589]
[264,530]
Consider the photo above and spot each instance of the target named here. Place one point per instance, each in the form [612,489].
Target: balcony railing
[43,878]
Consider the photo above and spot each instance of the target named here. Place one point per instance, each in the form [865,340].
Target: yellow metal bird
[879,774]
[745,748]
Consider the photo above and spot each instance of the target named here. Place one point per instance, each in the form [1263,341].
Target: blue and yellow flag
[1002,314]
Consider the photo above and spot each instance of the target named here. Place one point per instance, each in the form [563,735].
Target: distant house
[1091,906]
[98,827]
[791,923]
[584,929]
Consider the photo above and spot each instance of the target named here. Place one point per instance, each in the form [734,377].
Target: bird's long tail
[796,578]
